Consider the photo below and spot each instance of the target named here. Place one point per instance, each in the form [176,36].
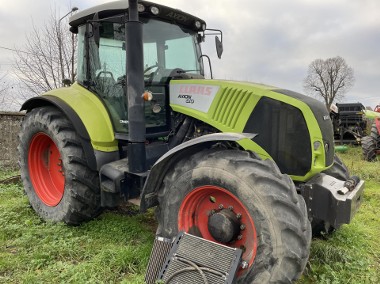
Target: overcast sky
[265,41]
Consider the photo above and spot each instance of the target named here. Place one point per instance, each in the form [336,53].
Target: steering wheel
[102,73]
[150,75]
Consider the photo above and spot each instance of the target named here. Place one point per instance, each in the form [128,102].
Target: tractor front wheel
[234,198]
[57,180]
[338,169]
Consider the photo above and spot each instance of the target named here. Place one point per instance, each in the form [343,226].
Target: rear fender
[89,119]
[167,161]
[72,116]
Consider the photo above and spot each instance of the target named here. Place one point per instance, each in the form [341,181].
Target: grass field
[115,247]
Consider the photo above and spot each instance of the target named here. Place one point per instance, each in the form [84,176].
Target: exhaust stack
[134,89]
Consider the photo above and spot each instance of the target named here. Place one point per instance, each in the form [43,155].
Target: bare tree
[3,85]
[48,57]
[8,100]
[329,79]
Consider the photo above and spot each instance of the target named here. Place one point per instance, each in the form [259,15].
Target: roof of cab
[117,7]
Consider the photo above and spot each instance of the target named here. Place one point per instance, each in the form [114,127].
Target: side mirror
[219,47]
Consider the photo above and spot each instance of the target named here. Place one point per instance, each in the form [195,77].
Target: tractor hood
[290,126]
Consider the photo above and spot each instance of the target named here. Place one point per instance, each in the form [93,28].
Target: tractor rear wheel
[370,144]
[258,206]
[369,148]
[57,180]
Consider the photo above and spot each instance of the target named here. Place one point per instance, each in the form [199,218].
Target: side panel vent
[230,105]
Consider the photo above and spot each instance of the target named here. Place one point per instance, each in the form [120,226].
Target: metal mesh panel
[191,257]
[160,251]
[176,274]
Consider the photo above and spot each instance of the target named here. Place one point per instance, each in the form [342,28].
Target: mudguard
[160,168]
[89,118]
[72,116]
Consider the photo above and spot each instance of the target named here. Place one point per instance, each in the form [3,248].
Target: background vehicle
[349,122]
[371,143]
[241,164]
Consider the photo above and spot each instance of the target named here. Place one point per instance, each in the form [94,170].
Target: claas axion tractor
[239,172]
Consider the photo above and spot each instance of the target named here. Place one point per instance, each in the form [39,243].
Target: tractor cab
[171,49]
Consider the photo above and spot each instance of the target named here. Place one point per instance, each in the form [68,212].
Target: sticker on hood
[194,96]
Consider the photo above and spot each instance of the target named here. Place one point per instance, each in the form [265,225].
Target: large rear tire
[266,217]
[369,148]
[57,180]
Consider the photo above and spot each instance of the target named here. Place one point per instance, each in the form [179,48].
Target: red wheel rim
[45,169]
[203,201]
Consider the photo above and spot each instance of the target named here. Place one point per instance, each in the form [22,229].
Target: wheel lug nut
[239,237]
[230,207]
[244,264]
[238,215]
[242,227]
[221,206]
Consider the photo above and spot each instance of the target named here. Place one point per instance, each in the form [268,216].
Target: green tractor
[245,165]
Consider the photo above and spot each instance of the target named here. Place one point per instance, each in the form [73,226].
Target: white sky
[265,41]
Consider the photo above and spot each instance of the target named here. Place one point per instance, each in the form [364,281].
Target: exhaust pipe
[134,90]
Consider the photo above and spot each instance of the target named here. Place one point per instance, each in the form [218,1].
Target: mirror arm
[209,63]
[218,32]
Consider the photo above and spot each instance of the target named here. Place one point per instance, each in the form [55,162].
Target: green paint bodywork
[229,112]
[233,105]
[92,113]
[371,114]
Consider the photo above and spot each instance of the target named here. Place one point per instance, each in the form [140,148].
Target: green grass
[115,247]
[111,249]
[352,253]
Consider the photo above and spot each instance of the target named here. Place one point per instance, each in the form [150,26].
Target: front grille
[283,133]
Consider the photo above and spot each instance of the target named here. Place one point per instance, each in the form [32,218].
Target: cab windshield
[166,47]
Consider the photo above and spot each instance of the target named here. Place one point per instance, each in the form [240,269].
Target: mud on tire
[57,180]
[280,217]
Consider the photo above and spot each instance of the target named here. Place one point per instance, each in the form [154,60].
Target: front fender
[161,167]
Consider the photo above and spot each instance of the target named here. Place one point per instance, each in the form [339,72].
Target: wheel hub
[224,226]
